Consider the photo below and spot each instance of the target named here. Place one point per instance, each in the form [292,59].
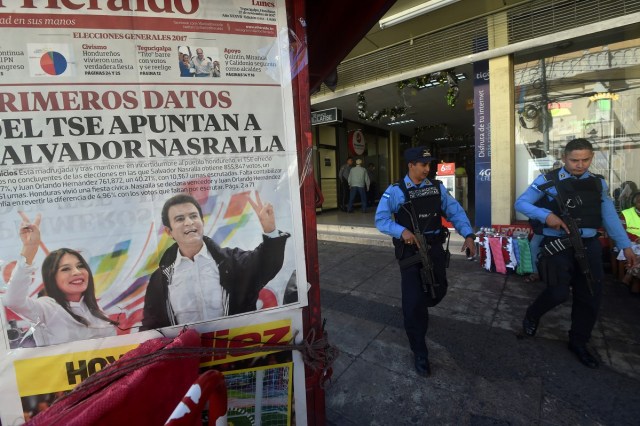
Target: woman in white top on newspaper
[69,310]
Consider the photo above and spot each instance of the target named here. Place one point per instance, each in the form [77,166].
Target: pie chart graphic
[53,63]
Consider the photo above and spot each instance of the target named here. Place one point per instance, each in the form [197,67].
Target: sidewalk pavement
[482,373]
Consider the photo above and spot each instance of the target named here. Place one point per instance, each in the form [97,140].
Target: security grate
[540,18]
[525,21]
[428,49]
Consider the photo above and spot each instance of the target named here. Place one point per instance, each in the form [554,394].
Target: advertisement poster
[108,111]
[482,120]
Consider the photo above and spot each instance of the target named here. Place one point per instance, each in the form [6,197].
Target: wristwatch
[472,236]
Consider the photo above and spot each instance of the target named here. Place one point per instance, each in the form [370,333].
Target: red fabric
[146,395]
[331,36]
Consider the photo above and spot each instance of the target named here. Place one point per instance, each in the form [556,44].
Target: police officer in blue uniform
[430,200]
[587,197]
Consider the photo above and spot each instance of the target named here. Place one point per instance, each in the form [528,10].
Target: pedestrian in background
[586,196]
[358,184]
[430,201]
[343,177]
[631,218]
[631,222]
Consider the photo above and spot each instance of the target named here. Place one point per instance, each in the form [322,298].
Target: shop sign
[601,96]
[357,144]
[513,229]
[325,116]
[445,169]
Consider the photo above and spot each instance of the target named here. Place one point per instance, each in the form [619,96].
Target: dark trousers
[562,273]
[414,299]
[352,197]
[344,194]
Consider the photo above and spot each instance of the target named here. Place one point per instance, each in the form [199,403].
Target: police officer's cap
[420,153]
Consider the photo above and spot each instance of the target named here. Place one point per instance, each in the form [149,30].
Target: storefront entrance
[327,171]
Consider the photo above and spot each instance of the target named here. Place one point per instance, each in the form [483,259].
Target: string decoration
[440,78]
[393,113]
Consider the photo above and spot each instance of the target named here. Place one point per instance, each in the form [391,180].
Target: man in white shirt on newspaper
[198,280]
[202,64]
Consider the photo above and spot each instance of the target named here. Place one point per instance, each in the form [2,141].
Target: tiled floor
[338,217]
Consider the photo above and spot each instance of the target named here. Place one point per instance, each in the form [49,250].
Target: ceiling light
[397,123]
[414,12]
[434,82]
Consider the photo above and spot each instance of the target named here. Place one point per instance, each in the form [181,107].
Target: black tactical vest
[582,196]
[426,203]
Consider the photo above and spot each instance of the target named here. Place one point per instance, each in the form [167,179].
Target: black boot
[584,355]
[423,368]
[529,326]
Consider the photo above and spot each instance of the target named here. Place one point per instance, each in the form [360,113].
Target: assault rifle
[422,256]
[574,239]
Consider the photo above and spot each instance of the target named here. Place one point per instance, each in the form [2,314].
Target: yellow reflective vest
[632,219]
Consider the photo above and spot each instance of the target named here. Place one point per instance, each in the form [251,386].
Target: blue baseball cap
[419,153]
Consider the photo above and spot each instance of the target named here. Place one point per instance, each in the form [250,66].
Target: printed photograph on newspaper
[133,198]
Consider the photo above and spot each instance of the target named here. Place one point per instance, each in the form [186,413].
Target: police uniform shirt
[610,220]
[393,198]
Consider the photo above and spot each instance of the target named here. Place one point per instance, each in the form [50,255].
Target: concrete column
[501,92]
[501,89]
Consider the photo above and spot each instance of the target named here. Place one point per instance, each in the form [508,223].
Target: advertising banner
[148,175]
[481,111]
